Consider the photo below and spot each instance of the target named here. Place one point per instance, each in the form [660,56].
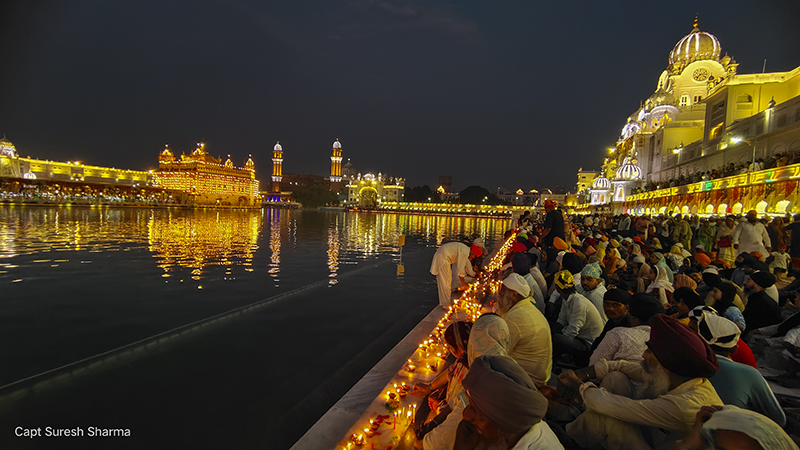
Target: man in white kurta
[451,254]
[751,235]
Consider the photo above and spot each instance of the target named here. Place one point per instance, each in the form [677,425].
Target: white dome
[337,144]
[628,171]
[278,147]
[695,46]
[630,129]
[601,183]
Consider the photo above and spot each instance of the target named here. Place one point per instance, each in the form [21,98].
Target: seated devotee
[447,255]
[660,287]
[615,307]
[657,259]
[537,274]
[593,288]
[675,374]
[578,323]
[521,264]
[731,427]
[761,310]
[628,343]
[686,300]
[743,354]
[505,409]
[489,336]
[737,384]
[723,296]
[456,338]
[529,333]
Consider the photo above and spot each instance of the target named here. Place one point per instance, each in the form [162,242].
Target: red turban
[477,251]
[679,349]
[518,247]
[702,258]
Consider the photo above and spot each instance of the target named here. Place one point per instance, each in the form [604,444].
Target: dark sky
[512,94]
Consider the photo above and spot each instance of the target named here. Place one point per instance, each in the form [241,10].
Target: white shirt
[537,275]
[596,297]
[540,436]
[622,343]
[751,237]
[449,253]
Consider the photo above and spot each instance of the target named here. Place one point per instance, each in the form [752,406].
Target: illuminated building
[518,197]
[702,117]
[13,166]
[369,191]
[336,167]
[207,179]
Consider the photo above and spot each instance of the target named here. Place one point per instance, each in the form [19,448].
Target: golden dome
[697,45]
[250,165]
[166,155]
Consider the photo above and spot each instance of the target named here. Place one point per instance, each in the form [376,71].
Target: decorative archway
[368,198]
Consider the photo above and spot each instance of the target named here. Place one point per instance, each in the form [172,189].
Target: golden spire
[696,22]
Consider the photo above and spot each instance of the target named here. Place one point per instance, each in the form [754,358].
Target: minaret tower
[277,168]
[336,167]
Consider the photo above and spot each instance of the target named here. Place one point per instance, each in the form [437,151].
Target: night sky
[511,94]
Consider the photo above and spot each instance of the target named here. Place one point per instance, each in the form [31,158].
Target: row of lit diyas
[425,363]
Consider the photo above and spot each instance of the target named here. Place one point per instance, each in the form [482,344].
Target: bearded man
[675,373]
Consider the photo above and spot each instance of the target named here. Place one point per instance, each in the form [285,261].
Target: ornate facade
[207,179]
[702,117]
[369,191]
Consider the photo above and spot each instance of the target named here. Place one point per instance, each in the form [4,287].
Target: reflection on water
[202,239]
[195,240]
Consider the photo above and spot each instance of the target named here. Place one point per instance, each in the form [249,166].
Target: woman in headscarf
[724,242]
[611,261]
[657,259]
[705,236]
[733,427]
[489,336]
[660,287]
[642,278]
[674,258]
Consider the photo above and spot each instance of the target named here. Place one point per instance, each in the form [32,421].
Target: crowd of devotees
[620,332]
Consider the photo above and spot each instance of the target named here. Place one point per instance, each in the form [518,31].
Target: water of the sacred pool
[204,328]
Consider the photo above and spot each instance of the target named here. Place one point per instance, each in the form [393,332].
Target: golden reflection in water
[201,239]
[274,217]
[333,251]
[368,233]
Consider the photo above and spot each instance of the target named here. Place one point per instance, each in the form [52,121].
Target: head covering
[637,239]
[639,259]
[627,239]
[500,389]
[682,280]
[560,256]
[564,280]
[457,335]
[661,280]
[703,259]
[518,247]
[549,204]
[521,263]
[614,243]
[518,284]
[675,250]
[688,296]
[698,311]
[644,306]
[589,251]
[757,255]
[489,336]
[479,242]
[759,427]
[477,251]
[718,331]
[679,245]
[763,279]
[559,243]
[592,270]
[617,295]
[679,349]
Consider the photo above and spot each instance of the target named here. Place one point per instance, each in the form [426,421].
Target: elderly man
[751,236]
[737,384]
[447,255]
[593,288]
[675,371]
[505,409]
[578,323]
[529,340]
